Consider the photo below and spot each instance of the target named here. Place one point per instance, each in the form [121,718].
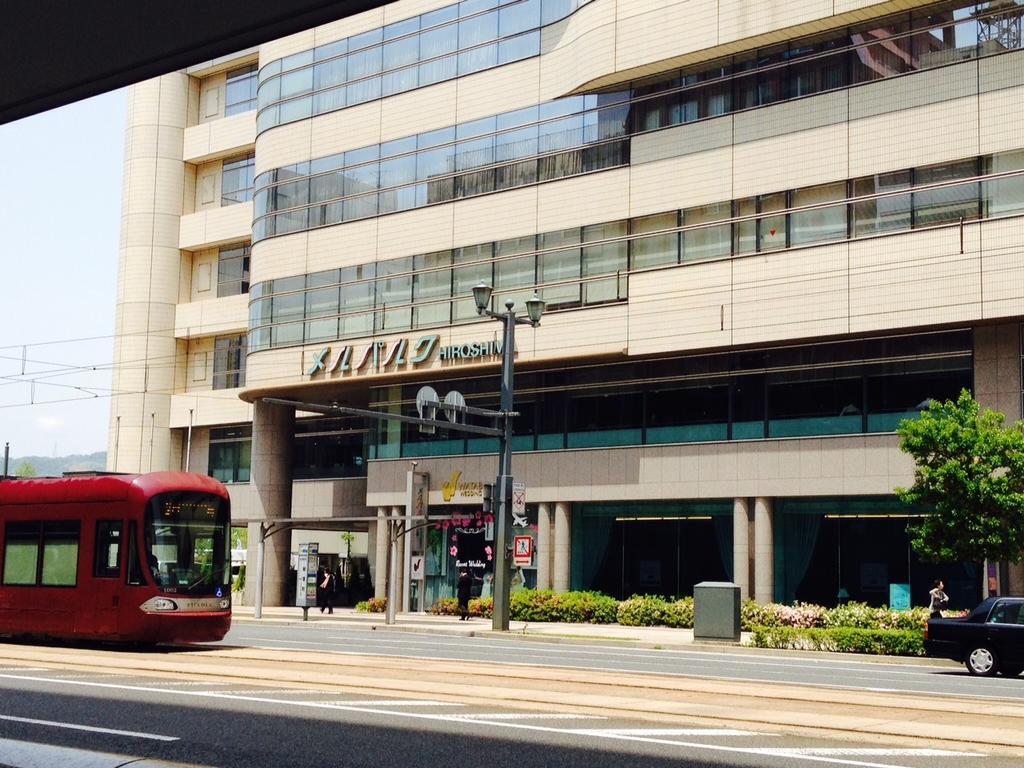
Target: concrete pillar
[273,432]
[543,553]
[997,369]
[741,546]
[148,360]
[562,549]
[380,551]
[764,551]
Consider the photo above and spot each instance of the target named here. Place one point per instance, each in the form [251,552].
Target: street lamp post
[503,483]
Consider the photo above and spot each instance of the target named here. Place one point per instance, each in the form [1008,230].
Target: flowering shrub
[679,614]
[569,607]
[891,642]
[642,611]
[449,606]
[373,605]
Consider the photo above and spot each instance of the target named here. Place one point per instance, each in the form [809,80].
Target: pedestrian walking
[325,589]
[939,599]
[463,590]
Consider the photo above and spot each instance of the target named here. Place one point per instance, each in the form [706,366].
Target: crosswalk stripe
[666,732]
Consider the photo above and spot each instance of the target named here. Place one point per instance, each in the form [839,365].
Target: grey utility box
[716,611]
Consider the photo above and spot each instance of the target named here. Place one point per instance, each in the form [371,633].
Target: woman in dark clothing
[465,586]
[325,589]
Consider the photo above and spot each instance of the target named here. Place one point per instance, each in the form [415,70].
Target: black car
[989,640]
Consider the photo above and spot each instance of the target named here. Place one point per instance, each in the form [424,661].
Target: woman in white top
[939,599]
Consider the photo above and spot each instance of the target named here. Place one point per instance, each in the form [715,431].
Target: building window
[229,362]
[237,180]
[230,454]
[240,93]
[233,270]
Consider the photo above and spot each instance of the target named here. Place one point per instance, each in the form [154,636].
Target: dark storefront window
[837,550]
[651,549]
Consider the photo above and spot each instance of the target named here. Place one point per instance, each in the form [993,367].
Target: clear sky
[60,215]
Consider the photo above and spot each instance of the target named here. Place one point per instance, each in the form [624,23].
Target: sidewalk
[655,638]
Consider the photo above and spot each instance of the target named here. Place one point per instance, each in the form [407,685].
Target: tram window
[42,553]
[60,554]
[21,554]
[134,576]
[107,564]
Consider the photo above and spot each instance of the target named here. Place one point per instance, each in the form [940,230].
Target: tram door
[106,579]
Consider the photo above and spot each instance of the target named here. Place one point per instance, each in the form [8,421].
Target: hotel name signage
[392,355]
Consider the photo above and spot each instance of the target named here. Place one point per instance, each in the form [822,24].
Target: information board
[305,578]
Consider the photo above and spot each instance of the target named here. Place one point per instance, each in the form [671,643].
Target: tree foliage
[26,469]
[970,470]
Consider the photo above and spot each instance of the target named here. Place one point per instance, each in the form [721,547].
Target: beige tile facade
[953,276]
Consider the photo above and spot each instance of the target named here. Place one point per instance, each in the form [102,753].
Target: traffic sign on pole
[522,551]
[519,505]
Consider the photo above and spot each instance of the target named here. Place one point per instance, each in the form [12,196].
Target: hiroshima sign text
[380,356]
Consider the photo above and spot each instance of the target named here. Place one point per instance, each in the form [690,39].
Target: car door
[1004,632]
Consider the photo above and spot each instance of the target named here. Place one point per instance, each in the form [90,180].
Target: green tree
[25,469]
[970,470]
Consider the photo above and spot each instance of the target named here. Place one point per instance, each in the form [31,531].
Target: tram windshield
[187,543]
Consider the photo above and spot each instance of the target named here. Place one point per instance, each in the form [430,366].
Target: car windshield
[187,542]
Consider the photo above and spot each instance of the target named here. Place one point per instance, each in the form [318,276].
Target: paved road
[947,680]
[52,716]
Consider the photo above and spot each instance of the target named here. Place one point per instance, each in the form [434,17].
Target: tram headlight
[225,604]
[159,605]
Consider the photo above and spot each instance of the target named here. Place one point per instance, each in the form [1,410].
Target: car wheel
[982,661]
[1013,671]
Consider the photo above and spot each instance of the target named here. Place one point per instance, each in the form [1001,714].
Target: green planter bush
[373,605]
[882,642]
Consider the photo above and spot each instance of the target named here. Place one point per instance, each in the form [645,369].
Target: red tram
[143,558]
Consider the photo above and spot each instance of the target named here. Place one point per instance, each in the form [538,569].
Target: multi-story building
[765,233]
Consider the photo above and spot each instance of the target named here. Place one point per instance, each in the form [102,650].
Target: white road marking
[526,716]
[90,728]
[451,719]
[865,752]
[667,732]
[393,703]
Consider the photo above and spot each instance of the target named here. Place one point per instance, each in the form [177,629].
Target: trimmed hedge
[541,605]
[652,611]
[880,642]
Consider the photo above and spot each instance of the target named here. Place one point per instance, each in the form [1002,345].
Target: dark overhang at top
[54,52]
